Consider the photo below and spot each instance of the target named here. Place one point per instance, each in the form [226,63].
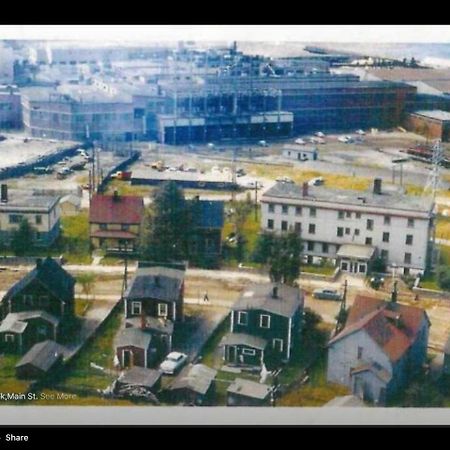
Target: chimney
[275,291]
[377,186]
[4,193]
[116,196]
[305,189]
[394,293]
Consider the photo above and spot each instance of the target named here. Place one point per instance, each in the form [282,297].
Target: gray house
[381,346]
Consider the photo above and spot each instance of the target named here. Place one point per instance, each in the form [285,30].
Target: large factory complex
[184,94]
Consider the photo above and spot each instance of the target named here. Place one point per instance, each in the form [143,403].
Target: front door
[232,354]
[127,358]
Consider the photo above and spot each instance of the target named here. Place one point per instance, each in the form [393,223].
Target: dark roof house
[244,392]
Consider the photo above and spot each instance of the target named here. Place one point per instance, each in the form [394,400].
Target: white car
[360,132]
[210,145]
[300,141]
[345,139]
[173,363]
[319,134]
[263,144]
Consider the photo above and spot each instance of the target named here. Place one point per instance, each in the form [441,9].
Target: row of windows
[341,215]
[277,344]
[17,218]
[264,319]
[163,309]
[123,227]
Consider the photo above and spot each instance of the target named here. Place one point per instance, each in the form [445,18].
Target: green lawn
[321,270]
[8,380]
[75,238]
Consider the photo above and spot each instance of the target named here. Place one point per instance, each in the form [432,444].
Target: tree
[443,278]
[241,211]
[422,393]
[282,254]
[168,225]
[87,281]
[22,238]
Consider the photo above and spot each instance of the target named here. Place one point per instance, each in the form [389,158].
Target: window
[409,239]
[298,210]
[410,223]
[310,246]
[9,338]
[298,227]
[347,231]
[28,300]
[248,352]
[284,209]
[312,212]
[271,208]
[369,224]
[324,248]
[368,241]
[348,214]
[43,301]
[385,237]
[360,352]
[312,228]
[284,225]
[163,309]
[358,215]
[125,227]
[38,220]
[270,224]
[264,321]
[356,231]
[136,308]
[242,318]
[384,254]
[277,344]
[340,231]
[103,226]
[15,218]
[340,214]
[387,220]
[407,258]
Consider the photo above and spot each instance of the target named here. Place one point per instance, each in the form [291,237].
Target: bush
[443,278]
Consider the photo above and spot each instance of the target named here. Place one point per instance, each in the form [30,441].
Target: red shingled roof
[126,209]
[392,326]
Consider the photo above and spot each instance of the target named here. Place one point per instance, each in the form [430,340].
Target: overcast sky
[299,33]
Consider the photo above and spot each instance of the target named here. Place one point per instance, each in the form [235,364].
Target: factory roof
[389,199]
[434,114]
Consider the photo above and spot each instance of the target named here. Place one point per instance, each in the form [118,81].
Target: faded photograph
[224,223]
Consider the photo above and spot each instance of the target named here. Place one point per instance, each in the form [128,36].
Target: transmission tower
[433,180]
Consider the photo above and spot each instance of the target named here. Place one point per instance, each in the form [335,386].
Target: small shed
[195,385]
[40,360]
[134,348]
[139,377]
[244,392]
[300,153]
[70,205]
[244,349]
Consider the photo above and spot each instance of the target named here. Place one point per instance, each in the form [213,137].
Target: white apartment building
[352,228]
[41,212]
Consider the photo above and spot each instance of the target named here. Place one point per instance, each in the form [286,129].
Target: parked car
[327,294]
[345,139]
[263,144]
[316,181]
[360,132]
[210,145]
[284,180]
[173,363]
[300,141]
[319,134]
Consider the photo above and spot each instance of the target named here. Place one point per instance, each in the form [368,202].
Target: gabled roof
[140,376]
[249,388]
[51,275]
[197,378]
[123,209]
[134,337]
[42,355]
[153,324]
[17,322]
[208,213]
[260,296]
[393,326]
[158,283]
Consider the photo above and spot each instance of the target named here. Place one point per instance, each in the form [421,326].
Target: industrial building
[10,107]
[433,124]
[353,228]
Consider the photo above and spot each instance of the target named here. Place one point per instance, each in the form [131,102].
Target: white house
[352,228]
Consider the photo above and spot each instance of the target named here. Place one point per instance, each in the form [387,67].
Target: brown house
[115,222]
[134,348]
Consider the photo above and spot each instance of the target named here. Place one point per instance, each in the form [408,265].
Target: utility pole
[125,271]
[256,200]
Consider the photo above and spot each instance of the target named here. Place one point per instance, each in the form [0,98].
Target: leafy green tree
[22,238]
[443,278]
[281,253]
[87,281]
[168,225]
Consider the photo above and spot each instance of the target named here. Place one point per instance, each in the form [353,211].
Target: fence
[135,155]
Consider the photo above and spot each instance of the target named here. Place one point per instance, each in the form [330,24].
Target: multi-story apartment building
[352,228]
[41,212]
